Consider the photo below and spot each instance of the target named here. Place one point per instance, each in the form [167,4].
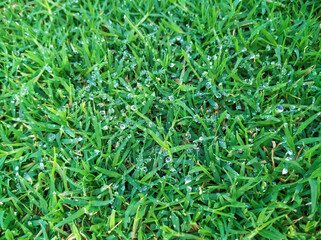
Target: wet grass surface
[160,119]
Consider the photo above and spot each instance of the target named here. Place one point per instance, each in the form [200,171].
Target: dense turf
[160,119]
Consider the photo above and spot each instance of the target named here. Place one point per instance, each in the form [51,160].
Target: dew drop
[188,179]
[284,171]
[188,135]
[279,109]
[51,137]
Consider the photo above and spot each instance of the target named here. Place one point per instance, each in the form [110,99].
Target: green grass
[160,119]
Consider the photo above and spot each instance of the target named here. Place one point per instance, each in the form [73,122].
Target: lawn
[160,119]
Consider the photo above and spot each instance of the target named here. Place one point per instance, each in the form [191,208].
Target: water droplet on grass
[279,109]
[288,159]
[188,135]
[41,166]
[188,179]
[51,137]
[222,143]
[96,151]
[215,105]
[284,171]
